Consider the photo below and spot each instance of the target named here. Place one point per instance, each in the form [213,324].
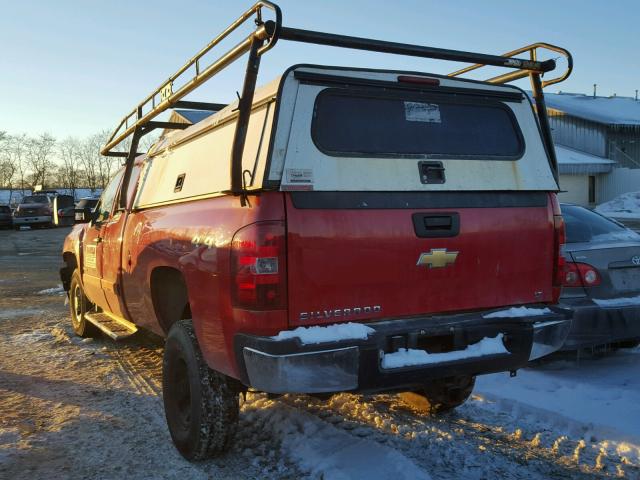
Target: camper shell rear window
[351,123]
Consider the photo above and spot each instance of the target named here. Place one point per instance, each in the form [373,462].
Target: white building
[597,144]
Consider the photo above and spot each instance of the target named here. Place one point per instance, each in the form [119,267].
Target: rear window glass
[63,201]
[583,225]
[36,199]
[390,126]
[87,202]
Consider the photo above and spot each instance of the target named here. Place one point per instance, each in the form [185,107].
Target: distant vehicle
[40,209]
[6,220]
[84,208]
[34,210]
[602,280]
[63,210]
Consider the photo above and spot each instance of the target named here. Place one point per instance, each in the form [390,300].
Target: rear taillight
[418,80]
[258,267]
[558,241]
[580,275]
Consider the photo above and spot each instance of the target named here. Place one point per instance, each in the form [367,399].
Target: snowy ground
[93,409]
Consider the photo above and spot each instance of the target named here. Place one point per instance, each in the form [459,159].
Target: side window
[105,205]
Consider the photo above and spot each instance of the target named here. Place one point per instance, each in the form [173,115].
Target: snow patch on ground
[626,205]
[407,357]
[330,333]
[51,291]
[600,395]
[516,312]
[322,450]
[19,312]
[617,302]
[33,337]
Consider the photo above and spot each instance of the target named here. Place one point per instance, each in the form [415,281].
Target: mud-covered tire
[200,404]
[446,394]
[79,305]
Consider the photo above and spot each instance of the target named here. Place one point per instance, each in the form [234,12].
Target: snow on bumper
[458,344]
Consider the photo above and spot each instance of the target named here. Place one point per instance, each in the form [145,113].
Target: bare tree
[12,156]
[39,152]
[69,152]
[89,149]
[98,168]
[7,166]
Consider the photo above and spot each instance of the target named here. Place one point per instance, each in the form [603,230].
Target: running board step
[117,328]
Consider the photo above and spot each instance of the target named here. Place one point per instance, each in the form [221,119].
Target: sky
[72,68]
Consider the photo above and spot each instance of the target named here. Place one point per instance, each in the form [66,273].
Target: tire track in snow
[315,447]
[472,442]
[469,443]
[141,367]
[324,451]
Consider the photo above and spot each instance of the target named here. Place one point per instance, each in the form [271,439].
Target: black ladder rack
[140,120]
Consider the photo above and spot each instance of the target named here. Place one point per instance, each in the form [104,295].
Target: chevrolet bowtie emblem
[437,258]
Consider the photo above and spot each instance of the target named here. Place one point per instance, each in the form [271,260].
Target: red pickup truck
[336,230]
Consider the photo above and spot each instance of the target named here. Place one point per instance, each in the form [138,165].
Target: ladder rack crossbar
[168,97]
[265,35]
[518,74]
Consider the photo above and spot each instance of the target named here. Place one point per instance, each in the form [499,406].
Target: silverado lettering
[340,312]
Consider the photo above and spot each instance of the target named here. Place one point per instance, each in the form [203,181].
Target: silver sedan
[601,280]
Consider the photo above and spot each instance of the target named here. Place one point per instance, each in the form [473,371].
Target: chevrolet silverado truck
[339,229]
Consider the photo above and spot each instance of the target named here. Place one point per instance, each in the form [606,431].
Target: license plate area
[457,339]
[625,279]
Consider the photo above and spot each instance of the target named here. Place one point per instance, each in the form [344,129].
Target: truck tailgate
[359,256]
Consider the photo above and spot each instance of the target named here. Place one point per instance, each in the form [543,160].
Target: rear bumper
[594,325]
[289,366]
[32,220]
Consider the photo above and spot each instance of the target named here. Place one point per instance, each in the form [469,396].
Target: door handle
[436,225]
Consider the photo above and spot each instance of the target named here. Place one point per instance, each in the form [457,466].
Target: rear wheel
[200,404]
[446,394]
[79,305]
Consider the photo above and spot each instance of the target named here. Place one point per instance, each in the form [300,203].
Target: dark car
[63,210]
[601,281]
[5,217]
[34,210]
[84,208]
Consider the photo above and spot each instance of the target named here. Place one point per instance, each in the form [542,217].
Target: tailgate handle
[436,225]
[431,172]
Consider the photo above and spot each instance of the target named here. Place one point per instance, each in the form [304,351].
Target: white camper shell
[281,153]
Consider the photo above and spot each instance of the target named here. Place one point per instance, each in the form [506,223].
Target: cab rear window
[397,125]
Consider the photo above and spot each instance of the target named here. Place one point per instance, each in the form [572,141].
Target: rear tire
[79,305]
[446,394]
[200,404]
